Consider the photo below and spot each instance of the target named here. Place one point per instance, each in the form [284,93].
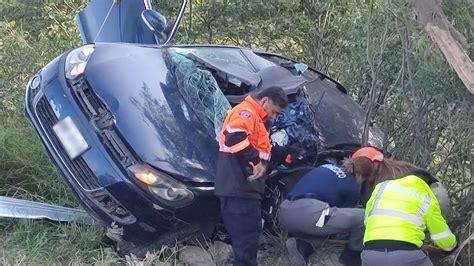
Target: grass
[25,171]
[41,242]
[45,243]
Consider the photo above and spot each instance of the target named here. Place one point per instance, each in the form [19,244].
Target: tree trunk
[452,43]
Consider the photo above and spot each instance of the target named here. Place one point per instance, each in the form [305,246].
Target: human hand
[258,170]
[433,250]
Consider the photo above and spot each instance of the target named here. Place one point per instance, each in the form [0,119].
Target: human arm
[439,230]
[239,127]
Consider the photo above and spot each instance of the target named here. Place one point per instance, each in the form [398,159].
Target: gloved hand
[285,154]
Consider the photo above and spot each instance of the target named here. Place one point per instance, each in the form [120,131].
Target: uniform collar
[260,111]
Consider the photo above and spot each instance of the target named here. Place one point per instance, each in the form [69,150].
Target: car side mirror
[157,24]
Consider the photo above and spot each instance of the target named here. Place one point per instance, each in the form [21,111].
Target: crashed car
[131,122]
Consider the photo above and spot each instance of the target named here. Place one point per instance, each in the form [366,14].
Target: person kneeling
[397,214]
[322,204]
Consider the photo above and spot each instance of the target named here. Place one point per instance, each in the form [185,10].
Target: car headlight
[76,61]
[167,190]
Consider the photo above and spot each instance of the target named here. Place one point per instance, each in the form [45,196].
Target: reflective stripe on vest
[235,148]
[417,220]
[234,130]
[379,194]
[442,235]
[424,207]
[398,214]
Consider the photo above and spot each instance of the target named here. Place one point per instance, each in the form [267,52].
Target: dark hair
[276,94]
[376,172]
[424,175]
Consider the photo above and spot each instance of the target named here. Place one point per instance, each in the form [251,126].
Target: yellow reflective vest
[402,209]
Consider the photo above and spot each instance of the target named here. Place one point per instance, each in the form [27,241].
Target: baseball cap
[369,152]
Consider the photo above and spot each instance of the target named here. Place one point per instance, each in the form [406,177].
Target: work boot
[298,251]
[350,257]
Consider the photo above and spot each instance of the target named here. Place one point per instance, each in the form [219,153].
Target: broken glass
[220,56]
[200,91]
[226,61]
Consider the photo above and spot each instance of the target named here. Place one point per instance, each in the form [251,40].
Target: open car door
[121,21]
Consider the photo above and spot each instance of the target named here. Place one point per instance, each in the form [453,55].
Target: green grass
[30,36]
[41,242]
[25,171]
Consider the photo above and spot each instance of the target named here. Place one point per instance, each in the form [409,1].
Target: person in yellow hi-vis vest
[396,216]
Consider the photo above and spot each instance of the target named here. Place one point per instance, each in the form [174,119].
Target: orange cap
[369,152]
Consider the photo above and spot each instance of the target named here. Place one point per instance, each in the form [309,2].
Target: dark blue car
[131,122]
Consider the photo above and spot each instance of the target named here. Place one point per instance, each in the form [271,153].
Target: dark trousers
[243,221]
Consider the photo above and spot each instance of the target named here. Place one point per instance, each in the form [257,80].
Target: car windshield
[200,91]
[221,57]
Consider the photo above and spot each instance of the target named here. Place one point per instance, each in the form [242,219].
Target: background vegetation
[373,47]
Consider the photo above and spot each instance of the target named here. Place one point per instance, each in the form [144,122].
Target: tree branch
[452,43]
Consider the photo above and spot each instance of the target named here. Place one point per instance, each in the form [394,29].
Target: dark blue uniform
[322,204]
[330,184]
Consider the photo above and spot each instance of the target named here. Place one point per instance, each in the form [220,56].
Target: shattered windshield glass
[222,57]
[200,91]
[228,62]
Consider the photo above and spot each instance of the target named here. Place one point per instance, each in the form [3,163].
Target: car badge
[55,107]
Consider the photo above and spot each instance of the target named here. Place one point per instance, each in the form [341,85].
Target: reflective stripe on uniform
[264,156]
[442,235]
[235,148]
[379,194]
[234,130]
[399,214]
[418,219]
[424,207]
[377,199]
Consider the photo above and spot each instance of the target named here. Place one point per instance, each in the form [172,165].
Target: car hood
[150,114]
[338,118]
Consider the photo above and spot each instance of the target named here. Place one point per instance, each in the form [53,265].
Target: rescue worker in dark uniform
[321,204]
[244,155]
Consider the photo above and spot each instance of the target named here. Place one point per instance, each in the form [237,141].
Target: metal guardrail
[25,209]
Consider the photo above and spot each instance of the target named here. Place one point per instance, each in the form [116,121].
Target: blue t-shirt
[330,184]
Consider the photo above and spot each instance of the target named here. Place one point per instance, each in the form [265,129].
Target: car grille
[100,115]
[82,173]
